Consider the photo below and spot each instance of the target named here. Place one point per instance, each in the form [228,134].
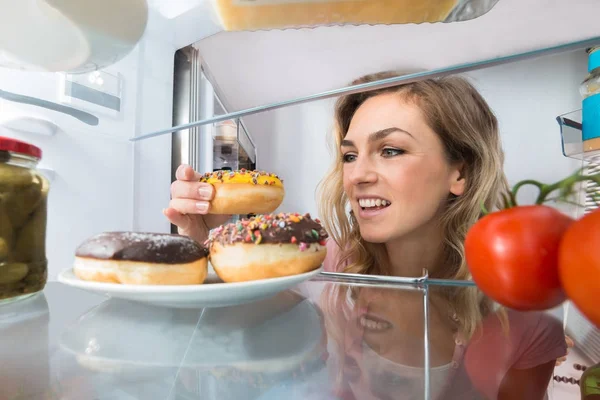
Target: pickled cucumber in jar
[23,217]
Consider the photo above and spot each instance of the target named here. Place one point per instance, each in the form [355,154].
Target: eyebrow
[378,135]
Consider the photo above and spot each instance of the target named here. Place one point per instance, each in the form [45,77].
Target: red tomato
[579,265]
[513,256]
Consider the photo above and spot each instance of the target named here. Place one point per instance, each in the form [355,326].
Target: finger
[186,173]
[189,206]
[176,218]
[192,190]
[569,341]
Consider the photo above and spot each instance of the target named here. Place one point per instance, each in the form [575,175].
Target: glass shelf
[308,342]
[457,69]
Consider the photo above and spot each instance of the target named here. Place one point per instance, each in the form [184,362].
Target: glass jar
[23,215]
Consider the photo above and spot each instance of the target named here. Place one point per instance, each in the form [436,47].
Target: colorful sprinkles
[242,176]
[280,228]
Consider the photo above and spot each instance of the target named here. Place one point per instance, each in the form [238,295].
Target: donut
[244,192]
[267,246]
[141,259]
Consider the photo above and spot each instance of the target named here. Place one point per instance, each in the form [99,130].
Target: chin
[373,235]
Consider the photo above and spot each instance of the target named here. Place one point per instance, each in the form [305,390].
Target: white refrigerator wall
[526,97]
[102,181]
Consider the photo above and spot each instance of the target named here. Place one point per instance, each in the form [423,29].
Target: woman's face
[383,344]
[395,174]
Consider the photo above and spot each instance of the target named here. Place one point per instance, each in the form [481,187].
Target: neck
[408,256]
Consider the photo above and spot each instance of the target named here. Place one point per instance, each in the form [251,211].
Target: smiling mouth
[373,203]
[373,324]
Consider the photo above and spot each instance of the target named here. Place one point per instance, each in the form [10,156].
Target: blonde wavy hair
[468,129]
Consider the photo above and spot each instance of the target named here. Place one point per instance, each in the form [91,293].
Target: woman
[414,164]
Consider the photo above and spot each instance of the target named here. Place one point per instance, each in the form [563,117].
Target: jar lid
[17,146]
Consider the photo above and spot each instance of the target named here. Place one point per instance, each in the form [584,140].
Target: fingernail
[202,206]
[205,191]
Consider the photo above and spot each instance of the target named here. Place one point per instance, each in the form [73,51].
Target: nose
[363,171]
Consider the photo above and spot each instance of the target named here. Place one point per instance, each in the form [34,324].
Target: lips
[371,206]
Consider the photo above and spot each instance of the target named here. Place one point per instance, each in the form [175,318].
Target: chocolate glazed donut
[141,259]
[267,246]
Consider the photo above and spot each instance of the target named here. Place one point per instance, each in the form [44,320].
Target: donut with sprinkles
[244,191]
[267,246]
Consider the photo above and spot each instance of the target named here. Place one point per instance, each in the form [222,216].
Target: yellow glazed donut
[267,246]
[244,192]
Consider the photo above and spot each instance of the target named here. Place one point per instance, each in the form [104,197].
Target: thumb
[181,220]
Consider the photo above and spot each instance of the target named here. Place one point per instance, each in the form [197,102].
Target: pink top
[535,338]
[333,255]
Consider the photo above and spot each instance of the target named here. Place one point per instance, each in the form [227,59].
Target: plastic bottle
[590,91]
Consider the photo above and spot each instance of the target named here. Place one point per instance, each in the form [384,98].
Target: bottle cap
[17,146]
[594,59]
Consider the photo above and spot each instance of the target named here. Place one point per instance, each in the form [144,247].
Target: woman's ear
[457,180]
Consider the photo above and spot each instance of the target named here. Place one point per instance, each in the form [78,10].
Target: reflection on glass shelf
[389,82]
[321,340]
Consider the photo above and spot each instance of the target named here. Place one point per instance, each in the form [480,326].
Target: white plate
[213,293]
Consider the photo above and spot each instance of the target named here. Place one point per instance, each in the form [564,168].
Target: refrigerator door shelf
[31,125]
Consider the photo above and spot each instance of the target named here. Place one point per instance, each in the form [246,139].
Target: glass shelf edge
[422,281]
[380,84]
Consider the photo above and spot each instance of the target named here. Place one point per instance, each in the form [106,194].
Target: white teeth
[365,203]
[373,325]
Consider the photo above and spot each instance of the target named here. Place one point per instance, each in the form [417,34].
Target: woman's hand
[190,203]
[570,344]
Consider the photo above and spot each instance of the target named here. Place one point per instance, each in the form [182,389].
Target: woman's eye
[388,152]
[348,158]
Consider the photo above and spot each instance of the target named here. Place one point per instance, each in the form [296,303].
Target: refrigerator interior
[103,181]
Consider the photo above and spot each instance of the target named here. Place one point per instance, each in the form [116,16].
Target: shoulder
[527,340]
[542,338]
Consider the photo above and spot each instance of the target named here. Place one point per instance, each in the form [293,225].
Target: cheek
[420,180]
[346,178]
